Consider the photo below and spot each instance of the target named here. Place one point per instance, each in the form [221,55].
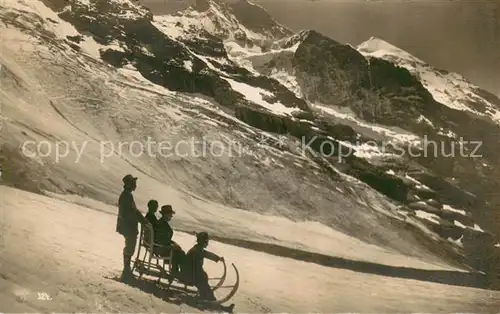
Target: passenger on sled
[152,208]
[193,272]
[163,236]
[193,266]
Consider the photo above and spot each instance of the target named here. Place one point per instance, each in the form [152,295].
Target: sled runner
[160,267]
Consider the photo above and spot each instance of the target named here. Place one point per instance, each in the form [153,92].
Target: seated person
[152,208]
[150,216]
[193,266]
[194,274]
[163,236]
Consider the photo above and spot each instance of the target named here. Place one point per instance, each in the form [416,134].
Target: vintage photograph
[249,156]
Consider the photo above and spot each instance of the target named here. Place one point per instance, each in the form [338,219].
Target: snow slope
[70,264]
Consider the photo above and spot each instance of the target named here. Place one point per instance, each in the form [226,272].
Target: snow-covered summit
[378,47]
[235,21]
[120,9]
[448,88]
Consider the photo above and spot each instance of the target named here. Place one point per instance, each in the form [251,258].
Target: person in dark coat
[193,266]
[152,208]
[151,217]
[163,236]
[194,274]
[126,224]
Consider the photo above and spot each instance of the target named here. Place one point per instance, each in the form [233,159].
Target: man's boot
[228,309]
[127,271]
[207,295]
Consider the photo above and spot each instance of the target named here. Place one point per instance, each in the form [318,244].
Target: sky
[456,35]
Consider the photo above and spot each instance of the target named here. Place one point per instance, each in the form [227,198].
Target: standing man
[126,224]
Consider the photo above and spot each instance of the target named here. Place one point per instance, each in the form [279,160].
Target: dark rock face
[384,183]
[327,71]
[207,45]
[405,95]
[315,141]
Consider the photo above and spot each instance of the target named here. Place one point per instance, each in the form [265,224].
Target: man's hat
[167,209]
[129,179]
[152,203]
[201,237]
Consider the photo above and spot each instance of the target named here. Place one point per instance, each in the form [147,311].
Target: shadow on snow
[454,278]
[174,295]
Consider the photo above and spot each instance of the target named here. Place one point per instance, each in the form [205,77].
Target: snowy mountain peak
[121,9]
[241,21]
[376,43]
[380,48]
